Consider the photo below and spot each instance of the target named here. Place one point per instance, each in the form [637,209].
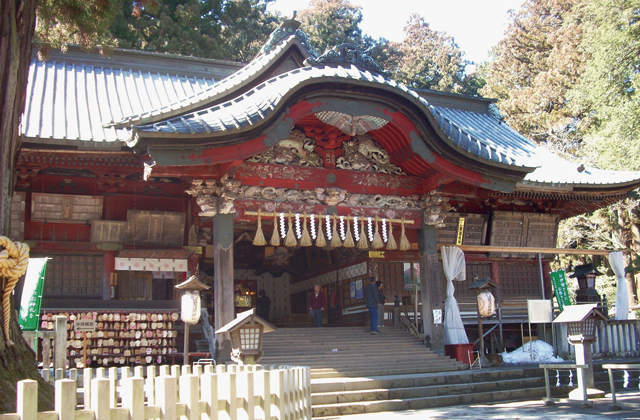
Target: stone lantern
[582,321]
[246,336]
[586,275]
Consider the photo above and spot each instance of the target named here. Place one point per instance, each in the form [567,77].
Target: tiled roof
[209,94]
[557,172]
[69,101]
[477,134]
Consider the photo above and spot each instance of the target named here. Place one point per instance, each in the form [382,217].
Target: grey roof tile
[66,101]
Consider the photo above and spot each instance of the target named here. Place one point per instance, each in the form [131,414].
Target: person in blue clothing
[372,299]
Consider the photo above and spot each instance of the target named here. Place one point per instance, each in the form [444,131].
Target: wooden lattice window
[155,228]
[391,274]
[73,276]
[519,280]
[462,287]
[16,218]
[463,229]
[135,285]
[65,208]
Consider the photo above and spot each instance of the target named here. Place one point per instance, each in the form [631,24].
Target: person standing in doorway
[316,305]
[263,305]
[372,298]
[383,300]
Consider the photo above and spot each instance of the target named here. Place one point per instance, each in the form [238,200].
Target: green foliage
[531,70]
[427,59]
[331,22]
[231,29]
[82,22]
[608,88]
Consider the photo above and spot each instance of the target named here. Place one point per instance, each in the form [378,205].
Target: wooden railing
[613,339]
[251,392]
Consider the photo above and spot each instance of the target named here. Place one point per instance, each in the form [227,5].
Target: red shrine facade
[294,170]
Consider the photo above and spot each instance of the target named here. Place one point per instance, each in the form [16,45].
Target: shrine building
[138,170]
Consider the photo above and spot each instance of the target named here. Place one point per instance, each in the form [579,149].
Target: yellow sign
[196,249]
[460,235]
[376,254]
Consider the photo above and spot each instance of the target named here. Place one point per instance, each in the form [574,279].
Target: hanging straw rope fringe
[305,240]
[362,242]
[405,245]
[335,238]
[259,239]
[290,240]
[348,240]
[13,263]
[377,240]
[391,242]
[275,236]
[320,241]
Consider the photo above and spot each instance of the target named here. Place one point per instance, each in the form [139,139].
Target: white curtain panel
[622,294]
[454,269]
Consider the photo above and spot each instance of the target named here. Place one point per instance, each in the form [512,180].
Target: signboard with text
[559,281]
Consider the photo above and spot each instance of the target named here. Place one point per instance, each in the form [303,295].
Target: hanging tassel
[275,236]
[305,240]
[391,243]
[377,240]
[290,240]
[405,245]
[259,239]
[335,240]
[348,240]
[362,242]
[320,241]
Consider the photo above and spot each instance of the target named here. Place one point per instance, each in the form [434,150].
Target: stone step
[336,397]
[362,407]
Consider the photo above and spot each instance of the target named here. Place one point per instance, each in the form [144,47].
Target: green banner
[29,315]
[560,288]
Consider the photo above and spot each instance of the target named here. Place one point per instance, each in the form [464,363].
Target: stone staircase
[353,352]
[354,372]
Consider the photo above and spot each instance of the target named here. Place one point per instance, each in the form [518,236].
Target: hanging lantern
[190,307]
[486,303]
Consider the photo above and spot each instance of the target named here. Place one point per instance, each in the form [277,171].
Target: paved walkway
[563,409]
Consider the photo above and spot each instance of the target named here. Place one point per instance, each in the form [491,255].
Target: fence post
[175,371]
[233,396]
[87,376]
[266,393]
[186,370]
[150,385]
[164,370]
[73,374]
[99,388]
[133,397]
[190,395]
[59,374]
[166,396]
[46,357]
[113,387]
[209,369]
[27,404]
[309,410]
[221,369]
[281,395]
[125,372]
[65,399]
[209,390]
[60,343]
[138,372]
[101,373]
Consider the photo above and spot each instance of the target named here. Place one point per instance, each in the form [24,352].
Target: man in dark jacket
[373,301]
[316,305]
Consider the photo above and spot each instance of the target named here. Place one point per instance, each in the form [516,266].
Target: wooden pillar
[497,293]
[223,280]
[431,285]
[108,268]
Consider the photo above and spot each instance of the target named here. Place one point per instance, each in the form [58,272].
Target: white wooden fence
[613,339]
[225,393]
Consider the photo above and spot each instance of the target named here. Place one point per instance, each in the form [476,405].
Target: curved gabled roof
[477,135]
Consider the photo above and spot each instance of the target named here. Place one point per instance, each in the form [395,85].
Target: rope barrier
[14,259]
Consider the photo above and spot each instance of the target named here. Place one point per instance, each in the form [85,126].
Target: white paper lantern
[486,303]
[190,306]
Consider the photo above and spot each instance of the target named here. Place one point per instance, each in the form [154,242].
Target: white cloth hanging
[622,294]
[454,269]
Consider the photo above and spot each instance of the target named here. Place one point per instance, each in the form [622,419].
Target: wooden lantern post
[190,308]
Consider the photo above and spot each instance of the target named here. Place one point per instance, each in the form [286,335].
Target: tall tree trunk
[17,362]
